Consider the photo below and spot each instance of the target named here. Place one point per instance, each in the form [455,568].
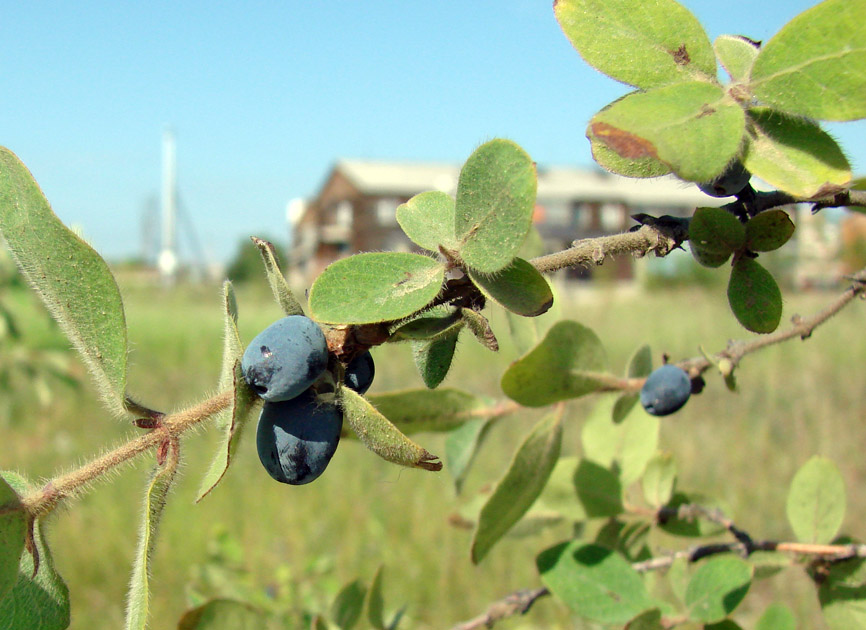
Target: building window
[386,211]
[611,217]
[343,215]
[582,217]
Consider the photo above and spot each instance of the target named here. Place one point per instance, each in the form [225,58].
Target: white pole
[168,256]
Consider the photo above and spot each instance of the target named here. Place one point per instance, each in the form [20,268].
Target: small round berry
[666,390]
[360,373]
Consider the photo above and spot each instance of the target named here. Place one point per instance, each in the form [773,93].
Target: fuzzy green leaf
[717,588]
[630,444]
[596,583]
[569,362]
[754,296]
[71,278]
[610,160]
[714,234]
[659,479]
[843,594]
[777,616]
[694,128]
[794,155]
[433,358]
[697,528]
[599,490]
[384,286]
[223,614]
[243,408]
[434,323]
[417,410]
[40,601]
[138,598]
[348,605]
[515,493]
[644,44]
[816,65]
[816,501]
[282,293]
[736,54]
[768,231]
[480,328]
[13,529]
[519,288]
[376,603]
[381,436]
[461,447]
[495,200]
[428,220]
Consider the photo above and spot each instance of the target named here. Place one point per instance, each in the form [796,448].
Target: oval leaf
[794,155]
[223,614]
[644,44]
[428,220]
[816,501]
[777,616]
[596,583]
[433,358]
[383,286]
[519,288]
[416,410]
[13,529]
[610,160]
[515,493]
[717,588]
[376,602]
[434,323]
[495,200]
[736,54]
[754,296]
[380,436]
[461,446]
[280,288]
[714,234]
[768,231]
[71,278]
[569,362]
[348,605]
[659,479]
[813,66]
[599,490]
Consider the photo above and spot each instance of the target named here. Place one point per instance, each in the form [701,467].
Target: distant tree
[246,266]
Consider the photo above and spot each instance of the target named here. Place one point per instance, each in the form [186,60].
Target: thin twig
[517,603]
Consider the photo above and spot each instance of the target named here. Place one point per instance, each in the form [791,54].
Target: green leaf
[376,603]
[461,446]
[736,54]
[416,410]
[222,614]
[596,583]
[694,128]
[644,166]
[380,436]
[649,620]
[599,490]
[754,296]
[569,362]
[629,444]
[697,528]
[71,278]
[766,564]
[428,220]
[659,479]
[519,288]
[282,293]
[717,588]
[777,616]
[433,358]
[794,155]
[384,286]
[138,597]
[644,44]
[842,595]
[815,65]
[515,493]
[640,364]
[768,231]
[40,601]
[13,530]
[436,322]
[233,348]
[245,403]
[816,501]
[480,328]
[495,200]
[349,604]
[714,234]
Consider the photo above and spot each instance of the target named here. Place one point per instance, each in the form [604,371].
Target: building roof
[554,183]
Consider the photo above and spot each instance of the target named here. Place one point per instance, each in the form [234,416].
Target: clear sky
[265,96]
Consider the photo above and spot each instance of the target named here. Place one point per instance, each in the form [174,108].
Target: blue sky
[265,96]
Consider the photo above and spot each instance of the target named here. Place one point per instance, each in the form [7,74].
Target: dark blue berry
[285,358]
[666,390]
[297,438]
[360,372]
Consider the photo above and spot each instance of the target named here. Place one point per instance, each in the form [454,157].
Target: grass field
[295,546]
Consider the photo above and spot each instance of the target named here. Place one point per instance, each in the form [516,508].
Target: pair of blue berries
[298,432]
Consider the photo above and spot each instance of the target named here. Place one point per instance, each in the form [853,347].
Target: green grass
[298,545]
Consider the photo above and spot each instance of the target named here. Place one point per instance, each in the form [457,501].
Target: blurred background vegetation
[290,549]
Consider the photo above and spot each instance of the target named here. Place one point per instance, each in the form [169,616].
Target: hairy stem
[46,499]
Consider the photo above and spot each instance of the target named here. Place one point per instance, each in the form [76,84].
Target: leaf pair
[715,235]
[683,120]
